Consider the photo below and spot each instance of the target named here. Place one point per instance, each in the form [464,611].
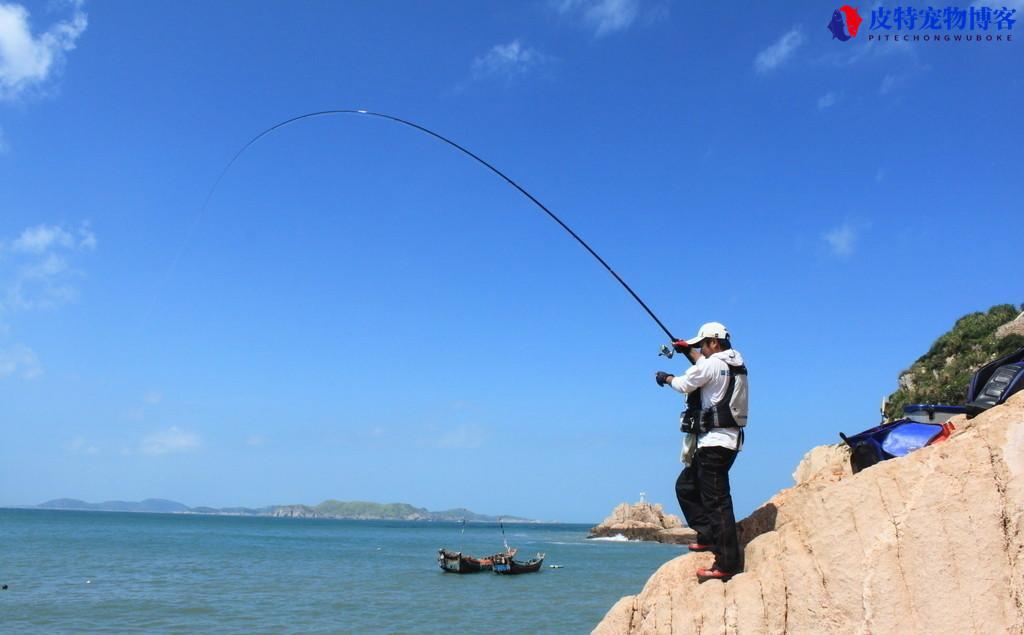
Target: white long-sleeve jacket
[711,375]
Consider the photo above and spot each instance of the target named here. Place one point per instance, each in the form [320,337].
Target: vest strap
[720,414]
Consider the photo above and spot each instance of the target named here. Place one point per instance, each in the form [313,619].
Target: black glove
[681,346]
[661,377]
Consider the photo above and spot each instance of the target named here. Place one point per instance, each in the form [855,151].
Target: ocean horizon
[96,571]
[330,508]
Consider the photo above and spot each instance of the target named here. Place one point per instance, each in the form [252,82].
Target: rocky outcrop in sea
[295,511]
[928,543]
[643,521]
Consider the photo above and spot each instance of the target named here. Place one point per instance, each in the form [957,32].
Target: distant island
[347,510]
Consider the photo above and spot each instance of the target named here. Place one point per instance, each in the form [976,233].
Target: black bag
[995,382]
[689,419]
[865,454]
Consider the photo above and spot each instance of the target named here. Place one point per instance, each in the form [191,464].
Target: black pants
[706,501]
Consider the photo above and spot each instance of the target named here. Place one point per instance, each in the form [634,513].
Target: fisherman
[716,389]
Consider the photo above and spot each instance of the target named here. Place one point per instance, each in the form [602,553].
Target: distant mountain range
[148,505]
[351,510]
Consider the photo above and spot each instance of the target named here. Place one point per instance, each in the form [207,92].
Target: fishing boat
[457,562]
[504,564]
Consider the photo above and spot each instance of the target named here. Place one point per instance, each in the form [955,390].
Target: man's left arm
[694,377]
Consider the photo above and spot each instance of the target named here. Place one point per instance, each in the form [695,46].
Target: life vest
[730,412]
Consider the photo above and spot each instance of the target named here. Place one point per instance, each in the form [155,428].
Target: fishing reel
[667,351]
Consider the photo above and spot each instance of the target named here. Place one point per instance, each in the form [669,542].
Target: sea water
[105,572]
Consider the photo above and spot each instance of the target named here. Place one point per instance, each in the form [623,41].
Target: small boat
[457,562]
[504,564]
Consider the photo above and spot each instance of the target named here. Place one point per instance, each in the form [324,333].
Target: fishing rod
[467,152]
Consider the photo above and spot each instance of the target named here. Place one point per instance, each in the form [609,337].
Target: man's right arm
[693,354]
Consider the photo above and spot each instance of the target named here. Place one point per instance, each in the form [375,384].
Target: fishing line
[453,144]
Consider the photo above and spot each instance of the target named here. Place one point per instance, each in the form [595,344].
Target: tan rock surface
[830,462]
[928,543]
[676,536]
[1014,326]
[643,521]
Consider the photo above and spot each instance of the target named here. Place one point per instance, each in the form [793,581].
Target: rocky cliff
[643,521]
[941,375]
[295,511]
[928,543]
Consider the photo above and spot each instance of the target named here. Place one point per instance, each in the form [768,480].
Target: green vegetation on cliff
[361,509]
[400,511]
[941,375]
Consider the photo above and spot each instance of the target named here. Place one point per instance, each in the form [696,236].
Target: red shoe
[713,574]
[696,546]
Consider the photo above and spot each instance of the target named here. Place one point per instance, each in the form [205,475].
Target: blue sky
[362,313]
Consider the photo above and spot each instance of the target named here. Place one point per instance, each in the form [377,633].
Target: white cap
[711,329]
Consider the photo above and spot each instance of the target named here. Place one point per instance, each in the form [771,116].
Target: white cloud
[19,360]
[26,60]
[776,54]
[170,441]
[86,237]
[42,284]
[79,445]
[134,414]
[507,60]
[842,240]
[255,441]
[153,397]
[827,100]
[849,55]
[40,274]
[36,240]
[888,83]
[602,16]
[463,437]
